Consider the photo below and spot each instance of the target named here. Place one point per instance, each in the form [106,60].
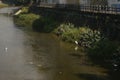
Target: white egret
[6,49]
[76,42]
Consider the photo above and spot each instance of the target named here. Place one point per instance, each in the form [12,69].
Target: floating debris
[31,63]
[18,12]
[76,48]
[115,69]
[60,72]
[39,65]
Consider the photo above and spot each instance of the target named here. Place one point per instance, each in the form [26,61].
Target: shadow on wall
[38,25]
[44,24]
[109,25]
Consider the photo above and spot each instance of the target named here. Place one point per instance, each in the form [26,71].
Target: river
[28,55]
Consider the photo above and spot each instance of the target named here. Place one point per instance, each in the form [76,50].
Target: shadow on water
[75,55]
[91,76]
[114,75]
[57,60]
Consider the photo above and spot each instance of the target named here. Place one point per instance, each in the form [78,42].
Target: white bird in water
[76,42]
[115,65]
[6,49]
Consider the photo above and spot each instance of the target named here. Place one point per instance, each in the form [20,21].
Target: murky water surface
[27,55]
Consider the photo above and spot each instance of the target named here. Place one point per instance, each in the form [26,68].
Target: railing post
[105,9]
[97,8]
[116,10]
[90,7]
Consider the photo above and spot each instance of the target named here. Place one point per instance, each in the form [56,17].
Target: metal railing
[85,8]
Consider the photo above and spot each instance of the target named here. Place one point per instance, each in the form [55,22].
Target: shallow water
[27,55]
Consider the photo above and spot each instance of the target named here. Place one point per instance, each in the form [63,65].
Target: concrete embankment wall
[108,24]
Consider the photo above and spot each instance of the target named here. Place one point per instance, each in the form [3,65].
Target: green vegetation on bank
[98,47]
[3,5]
[85,36]
[35,22]
[26,20]
[106,53]
[66,31]
[44,24]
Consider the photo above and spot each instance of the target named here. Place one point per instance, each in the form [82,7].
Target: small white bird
[6,49]
[76,42]
[115,65]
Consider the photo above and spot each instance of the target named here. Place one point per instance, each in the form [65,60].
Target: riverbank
[32,55]
[3,5]
[98,46]
[49,23]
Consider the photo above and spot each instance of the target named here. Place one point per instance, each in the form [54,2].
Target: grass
[83,35]
[25,20]
[36,22]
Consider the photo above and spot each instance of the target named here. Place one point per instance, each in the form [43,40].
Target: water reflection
[60,59]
